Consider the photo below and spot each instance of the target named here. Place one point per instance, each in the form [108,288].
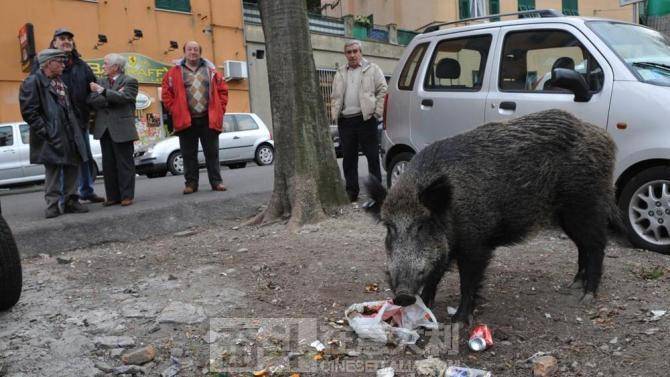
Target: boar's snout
[404,299]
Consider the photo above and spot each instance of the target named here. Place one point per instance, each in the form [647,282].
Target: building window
[464,8]
[570,8]
[176,5]
[526,5]
[494,8]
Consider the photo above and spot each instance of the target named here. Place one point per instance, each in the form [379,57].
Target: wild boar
[461,197]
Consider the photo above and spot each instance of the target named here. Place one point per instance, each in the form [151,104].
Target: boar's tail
[616,221]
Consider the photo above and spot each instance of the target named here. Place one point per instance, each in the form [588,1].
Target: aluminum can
[480,338]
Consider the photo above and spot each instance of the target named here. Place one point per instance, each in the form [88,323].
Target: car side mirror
[571,80]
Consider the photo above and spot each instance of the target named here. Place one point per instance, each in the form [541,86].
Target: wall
[117,19]
[414,14]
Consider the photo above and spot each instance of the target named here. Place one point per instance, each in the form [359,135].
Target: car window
[528,58]
[246,123]
[228,123]
[408,74]
[458,64]
[6,136]
[25,133]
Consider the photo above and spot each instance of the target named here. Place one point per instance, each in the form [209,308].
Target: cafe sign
[141,67]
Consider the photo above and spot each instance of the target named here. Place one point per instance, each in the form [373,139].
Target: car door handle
[427,102]
[236,137]
[508,105]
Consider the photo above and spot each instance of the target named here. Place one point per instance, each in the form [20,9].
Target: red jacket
[174,98]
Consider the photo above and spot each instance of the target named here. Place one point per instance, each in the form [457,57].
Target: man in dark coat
[56,140]
[77,76]
[113,97]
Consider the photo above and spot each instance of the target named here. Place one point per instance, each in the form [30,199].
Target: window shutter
[176,5]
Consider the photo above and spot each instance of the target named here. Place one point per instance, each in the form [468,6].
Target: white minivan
[610,73]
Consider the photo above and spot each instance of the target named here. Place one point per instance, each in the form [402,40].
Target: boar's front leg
[471,267]
[430,288]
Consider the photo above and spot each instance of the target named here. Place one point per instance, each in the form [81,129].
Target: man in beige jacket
[357,104]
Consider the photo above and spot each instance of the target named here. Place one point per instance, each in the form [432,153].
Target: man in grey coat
[113,98]
[56,139]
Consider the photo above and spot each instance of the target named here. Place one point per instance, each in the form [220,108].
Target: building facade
[415,14]
[151,33]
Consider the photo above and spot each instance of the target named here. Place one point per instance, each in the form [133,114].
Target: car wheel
[645,203]
[265,155]
[157,174]
[176,163]
[11,280]
[397,167]
[237,165]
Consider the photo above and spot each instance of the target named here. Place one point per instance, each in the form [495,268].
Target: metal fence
[326,86]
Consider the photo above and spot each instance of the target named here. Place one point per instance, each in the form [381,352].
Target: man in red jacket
[196,96]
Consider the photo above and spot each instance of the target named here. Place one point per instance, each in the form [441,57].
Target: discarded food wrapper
[384,322]
[385,372]
[318,345]
[657,314]
[466,372]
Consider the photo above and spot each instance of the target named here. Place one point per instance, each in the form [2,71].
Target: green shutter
[494,8]
[526,5]
[177,5]
[570,8]
[464,8]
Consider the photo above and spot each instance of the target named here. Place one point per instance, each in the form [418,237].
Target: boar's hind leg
[471,267]
[587,228]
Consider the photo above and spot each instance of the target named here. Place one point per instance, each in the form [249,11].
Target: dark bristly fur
[462,197]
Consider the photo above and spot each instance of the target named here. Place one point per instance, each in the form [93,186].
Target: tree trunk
[307,178]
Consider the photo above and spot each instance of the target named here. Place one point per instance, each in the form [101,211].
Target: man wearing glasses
[56,139]
[357,104]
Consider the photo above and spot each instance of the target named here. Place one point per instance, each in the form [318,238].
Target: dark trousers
[353,132]
[118,168]
[188,143]
[60,181]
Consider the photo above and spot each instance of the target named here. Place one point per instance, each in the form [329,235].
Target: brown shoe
[219,187]
[93,198]
[126,202]
[189,190]
[108,203]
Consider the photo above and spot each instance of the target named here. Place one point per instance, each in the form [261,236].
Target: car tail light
[386,105]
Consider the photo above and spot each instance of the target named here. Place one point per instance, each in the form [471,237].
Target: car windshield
[645,51]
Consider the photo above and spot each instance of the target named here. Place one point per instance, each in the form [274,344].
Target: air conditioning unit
[234,70]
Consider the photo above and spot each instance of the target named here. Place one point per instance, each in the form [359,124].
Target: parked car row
[613,74]
[15,166]
[245,138]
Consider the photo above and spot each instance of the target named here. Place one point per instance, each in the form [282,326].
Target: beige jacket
[372,90]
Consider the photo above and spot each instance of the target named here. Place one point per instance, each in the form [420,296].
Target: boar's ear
[436,196]
[377,194]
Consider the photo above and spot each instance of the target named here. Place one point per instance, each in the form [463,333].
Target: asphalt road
[160,207]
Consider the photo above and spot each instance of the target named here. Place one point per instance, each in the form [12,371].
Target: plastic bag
[384,322]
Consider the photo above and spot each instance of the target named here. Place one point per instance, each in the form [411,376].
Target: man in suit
[113,99]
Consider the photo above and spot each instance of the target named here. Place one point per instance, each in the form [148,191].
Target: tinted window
[528,58]
[408,74]
[458,64]
[228,123]
[25,133]
[246,123]
[6,136]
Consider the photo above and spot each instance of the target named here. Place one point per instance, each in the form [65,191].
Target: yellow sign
[141,67]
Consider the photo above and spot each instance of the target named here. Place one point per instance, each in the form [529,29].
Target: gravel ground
[229,300]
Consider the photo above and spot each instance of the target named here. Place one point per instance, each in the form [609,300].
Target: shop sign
[27,46]
[142,101]
[141,67]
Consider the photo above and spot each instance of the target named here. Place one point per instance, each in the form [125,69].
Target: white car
[613,74]
[245,138]
[15,166]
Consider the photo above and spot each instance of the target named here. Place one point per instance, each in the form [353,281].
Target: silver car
[245,138]
[613,74]
[15,166]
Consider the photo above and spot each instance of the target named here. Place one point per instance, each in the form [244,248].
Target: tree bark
[307,178]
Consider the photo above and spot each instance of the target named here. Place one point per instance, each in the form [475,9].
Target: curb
[135,226]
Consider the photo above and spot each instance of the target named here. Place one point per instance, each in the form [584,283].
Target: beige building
[417,13]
